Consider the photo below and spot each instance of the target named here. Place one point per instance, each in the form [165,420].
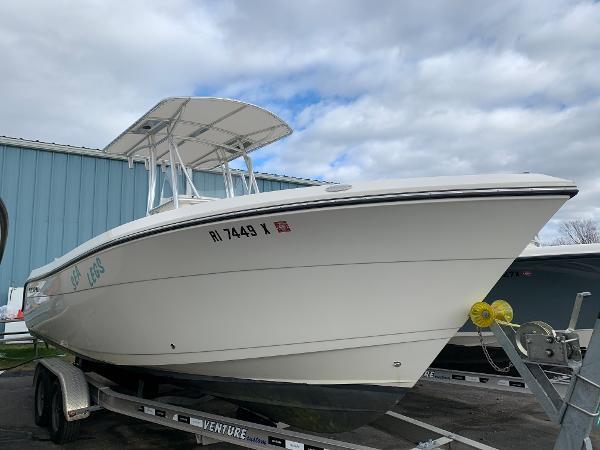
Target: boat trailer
[65,394]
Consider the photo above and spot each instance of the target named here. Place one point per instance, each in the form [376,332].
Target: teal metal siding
[57,201]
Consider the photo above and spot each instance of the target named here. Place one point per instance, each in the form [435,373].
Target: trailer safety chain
[2,371]
[35,358]
[496,367]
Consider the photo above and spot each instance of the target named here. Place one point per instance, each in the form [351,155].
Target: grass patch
[13,354]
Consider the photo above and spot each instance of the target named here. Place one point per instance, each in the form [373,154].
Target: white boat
[316,306]
[540,284]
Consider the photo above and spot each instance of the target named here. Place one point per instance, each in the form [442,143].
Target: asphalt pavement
[499,419]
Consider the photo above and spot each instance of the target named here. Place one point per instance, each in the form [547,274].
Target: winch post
[583,399]
[576,309]
[533,375]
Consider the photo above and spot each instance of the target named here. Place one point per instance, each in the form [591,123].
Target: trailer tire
[41,406]
[61,431]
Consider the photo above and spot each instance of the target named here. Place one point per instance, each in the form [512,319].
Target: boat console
[183,200]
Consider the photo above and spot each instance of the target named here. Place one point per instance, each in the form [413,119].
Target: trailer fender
[74,387]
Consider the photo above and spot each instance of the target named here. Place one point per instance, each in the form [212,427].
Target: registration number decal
[248,231]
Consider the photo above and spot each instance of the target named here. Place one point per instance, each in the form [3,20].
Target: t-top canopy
[207,131]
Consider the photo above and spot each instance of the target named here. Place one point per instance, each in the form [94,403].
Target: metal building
[59,196]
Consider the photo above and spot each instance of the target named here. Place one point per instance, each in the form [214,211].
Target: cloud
[403,89]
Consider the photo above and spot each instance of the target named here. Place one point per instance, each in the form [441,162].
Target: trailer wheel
[41,407]
[61,431]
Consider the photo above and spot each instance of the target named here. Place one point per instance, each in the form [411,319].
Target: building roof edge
[97,153]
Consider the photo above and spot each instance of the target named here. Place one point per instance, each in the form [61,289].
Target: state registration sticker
[282,226]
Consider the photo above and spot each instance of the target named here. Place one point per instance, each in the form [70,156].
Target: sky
[372,91]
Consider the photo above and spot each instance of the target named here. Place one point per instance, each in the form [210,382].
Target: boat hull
[330,297]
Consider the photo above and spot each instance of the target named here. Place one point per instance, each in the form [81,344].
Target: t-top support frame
[176,162]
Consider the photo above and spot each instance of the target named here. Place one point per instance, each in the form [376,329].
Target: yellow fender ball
[482,314]
[502,310]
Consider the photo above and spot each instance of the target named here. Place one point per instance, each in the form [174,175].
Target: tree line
[577,231]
